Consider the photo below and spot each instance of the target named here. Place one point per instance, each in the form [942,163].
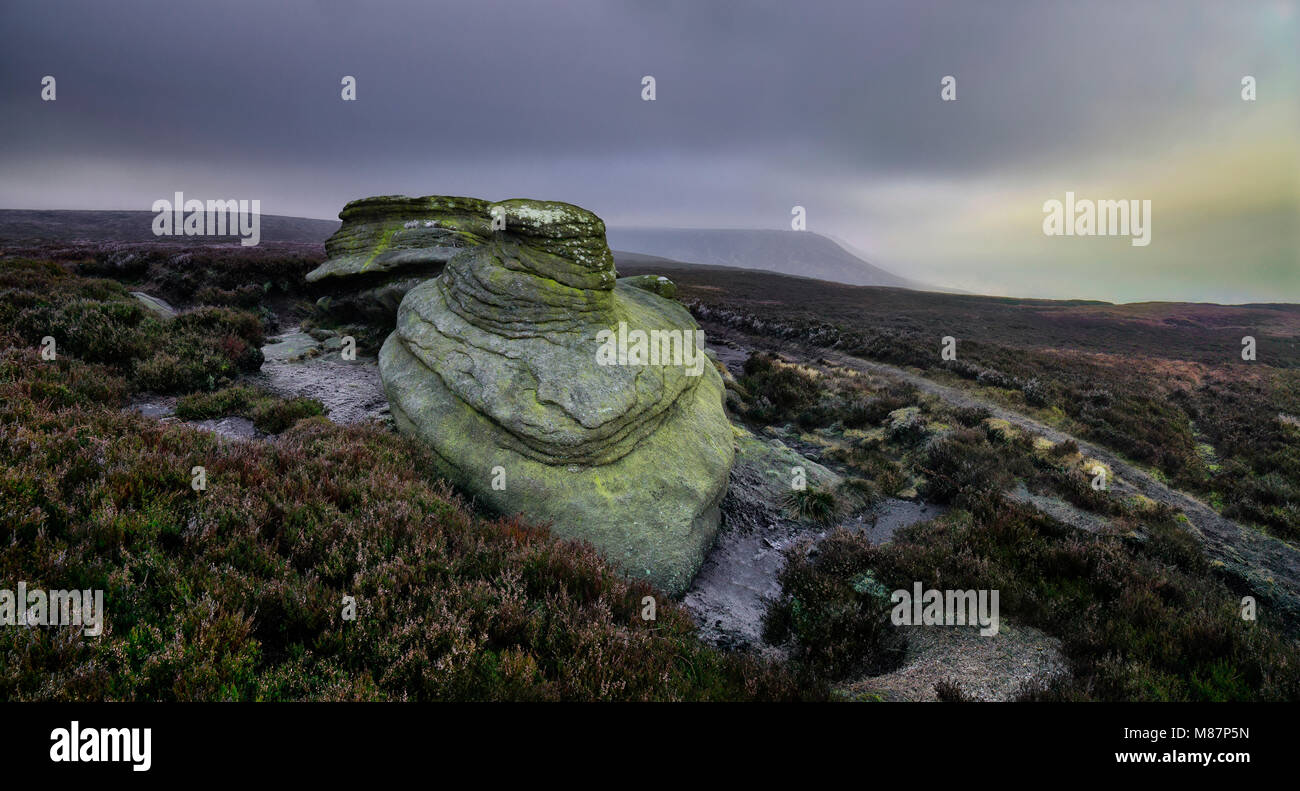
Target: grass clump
[270,414]
[949,690]
[858,493]
[812,504]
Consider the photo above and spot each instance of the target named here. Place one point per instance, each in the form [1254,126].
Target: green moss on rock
[494,366]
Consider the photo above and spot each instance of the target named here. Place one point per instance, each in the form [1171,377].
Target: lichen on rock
[389,244]
[494,366]
[655,284]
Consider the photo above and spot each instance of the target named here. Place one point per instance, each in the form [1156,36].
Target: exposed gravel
[298,365]
[991,668]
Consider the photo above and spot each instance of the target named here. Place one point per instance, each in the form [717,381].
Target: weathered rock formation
[389,244]
[501,365]
[655,284]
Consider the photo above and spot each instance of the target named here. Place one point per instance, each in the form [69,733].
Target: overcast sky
[761,106]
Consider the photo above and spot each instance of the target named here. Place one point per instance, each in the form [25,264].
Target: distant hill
[800,253]
[59,225]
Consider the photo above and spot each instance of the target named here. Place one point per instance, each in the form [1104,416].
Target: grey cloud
[760,104]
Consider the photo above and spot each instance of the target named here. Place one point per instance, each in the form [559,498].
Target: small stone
[155,305]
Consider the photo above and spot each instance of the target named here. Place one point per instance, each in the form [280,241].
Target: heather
[237,591]
[1142,613]
[98,321]
[1164,385]
[1139,620]
[225,276]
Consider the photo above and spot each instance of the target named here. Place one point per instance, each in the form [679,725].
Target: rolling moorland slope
[999,442]
[1162,386]
[66,225]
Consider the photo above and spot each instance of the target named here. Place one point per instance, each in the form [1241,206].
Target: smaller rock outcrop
[388,245]
[157,306]
[655,284]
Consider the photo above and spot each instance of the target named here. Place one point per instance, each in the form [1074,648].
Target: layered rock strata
[389,244]
[547,387]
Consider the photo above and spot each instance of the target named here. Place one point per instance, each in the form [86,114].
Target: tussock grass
[812,504]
